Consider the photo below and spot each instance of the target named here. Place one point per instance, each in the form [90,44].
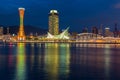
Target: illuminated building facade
[21,34]
[108,33]
[87,37]
[53,22]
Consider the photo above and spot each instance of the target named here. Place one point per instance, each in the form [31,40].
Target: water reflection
[107,59]
[100,60]
[32,55]
[57,60]
[52,61]
[64,62]
[21,62]
[97,45]
[11,57]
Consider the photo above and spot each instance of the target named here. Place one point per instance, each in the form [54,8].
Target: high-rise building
[94,30]
[85,30]
[1,30]
[21,33]
[115,30]
[53,22]
[8,32]
[108,33]
[100,31]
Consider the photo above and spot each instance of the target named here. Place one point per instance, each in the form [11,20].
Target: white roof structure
[21,8]
[63,35]
[53,11]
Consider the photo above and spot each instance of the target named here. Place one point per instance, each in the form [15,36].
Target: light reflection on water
[20,73]
[59,61]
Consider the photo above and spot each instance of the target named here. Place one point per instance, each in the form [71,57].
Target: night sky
[73,13]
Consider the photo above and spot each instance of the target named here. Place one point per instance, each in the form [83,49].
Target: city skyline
[77,14]
[59,39]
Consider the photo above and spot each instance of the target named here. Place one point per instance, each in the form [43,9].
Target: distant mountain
[28,30]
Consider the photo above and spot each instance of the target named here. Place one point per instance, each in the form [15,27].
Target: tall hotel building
[53,22]
[21,33]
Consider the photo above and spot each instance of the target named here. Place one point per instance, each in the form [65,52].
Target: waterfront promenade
[67,41]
